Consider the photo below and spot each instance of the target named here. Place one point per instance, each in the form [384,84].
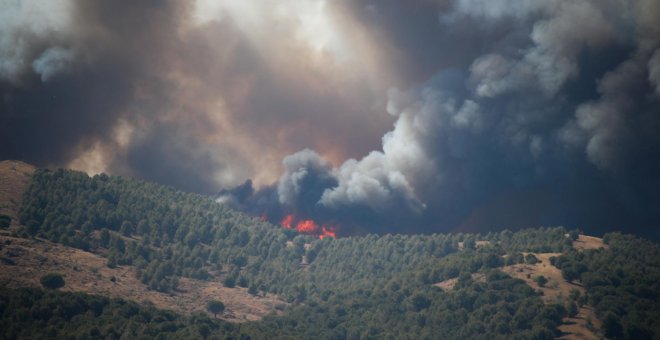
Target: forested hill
[349,288]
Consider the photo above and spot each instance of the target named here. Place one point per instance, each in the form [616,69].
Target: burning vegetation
[308,227]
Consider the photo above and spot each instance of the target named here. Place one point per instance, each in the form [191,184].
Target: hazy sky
[374,115]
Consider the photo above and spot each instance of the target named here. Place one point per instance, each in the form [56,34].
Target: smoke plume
[553,121]
[422,116]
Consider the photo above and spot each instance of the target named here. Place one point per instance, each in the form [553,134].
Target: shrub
[52,281]
[531,259]
[541,280]
[5,221]
[215,307]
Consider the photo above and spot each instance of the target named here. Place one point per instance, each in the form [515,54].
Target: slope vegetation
[373,286]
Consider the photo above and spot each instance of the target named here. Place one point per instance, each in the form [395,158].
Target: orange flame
[308,227]
[287,221]
[328,231]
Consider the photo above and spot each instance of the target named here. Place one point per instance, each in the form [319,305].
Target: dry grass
[87,272]
[448,285]
[556,290]
[589,242]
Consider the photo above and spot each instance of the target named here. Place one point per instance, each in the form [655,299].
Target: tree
[5,221]
[572,309]
[215,307]
[229,281]
[541,280]
[252,290]
[612,327]
[52,281]
[469,243]
[126,228]
[531,259]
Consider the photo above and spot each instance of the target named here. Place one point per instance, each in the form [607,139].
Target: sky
[372,116]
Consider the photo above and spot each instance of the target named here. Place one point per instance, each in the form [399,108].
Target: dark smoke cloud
[149,90]
[505,114]
[552,121]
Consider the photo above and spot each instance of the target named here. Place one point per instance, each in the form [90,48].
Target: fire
[287,221]
[328,231]
[308,227]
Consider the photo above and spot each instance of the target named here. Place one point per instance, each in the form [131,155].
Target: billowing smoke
[412,115]
[196,94]
[553,122]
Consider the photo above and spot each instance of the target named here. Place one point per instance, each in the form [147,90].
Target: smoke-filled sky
[375,116]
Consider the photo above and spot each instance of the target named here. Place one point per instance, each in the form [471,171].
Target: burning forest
[308,227]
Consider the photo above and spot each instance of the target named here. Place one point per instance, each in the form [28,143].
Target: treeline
[622,283]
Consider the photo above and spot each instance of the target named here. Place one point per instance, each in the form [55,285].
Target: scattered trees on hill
[622,283]
[358,287]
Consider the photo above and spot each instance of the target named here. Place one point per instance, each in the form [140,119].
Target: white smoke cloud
[23,22]
[510,118]
[306,176]
[53,61]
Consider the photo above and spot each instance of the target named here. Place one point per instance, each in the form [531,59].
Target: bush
[215,307]
[229,281]
[5,221]
[541,280]
[52,281]
[531,259]
[572,309]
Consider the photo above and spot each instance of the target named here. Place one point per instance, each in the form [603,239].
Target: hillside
[14,181]
[175,251]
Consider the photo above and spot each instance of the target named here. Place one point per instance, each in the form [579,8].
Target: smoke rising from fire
[551,123]
[411,116]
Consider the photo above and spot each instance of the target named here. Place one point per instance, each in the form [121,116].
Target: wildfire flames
[308,227]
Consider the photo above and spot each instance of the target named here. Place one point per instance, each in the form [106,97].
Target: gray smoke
[501,114]
[552,122]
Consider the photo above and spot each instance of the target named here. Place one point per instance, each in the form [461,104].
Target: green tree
[252,290]
[572,309]
[126,228]
[229,281]
[52,281]
[5,221]
[531,259]
[215,307]
[541,280]
[612,327]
